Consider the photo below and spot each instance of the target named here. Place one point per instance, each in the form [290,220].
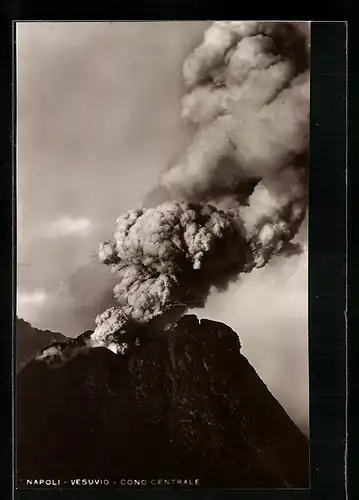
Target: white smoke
[248,96]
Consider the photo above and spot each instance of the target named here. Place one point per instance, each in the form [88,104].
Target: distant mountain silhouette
[184,405]
[30,341]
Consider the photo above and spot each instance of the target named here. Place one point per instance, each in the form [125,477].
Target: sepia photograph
[161,330]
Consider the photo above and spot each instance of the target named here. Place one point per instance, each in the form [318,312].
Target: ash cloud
[237,195]
[249,97]
[167,258]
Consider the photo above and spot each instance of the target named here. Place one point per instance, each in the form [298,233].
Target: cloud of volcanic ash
[238,193]
[249,98]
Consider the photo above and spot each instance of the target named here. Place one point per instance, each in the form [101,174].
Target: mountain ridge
[29,341]
[188,404]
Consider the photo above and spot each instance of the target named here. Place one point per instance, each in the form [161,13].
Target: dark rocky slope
[188,405]
[30,340]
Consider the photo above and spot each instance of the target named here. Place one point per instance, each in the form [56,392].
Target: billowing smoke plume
[249,96]
[168,258]
[240,187]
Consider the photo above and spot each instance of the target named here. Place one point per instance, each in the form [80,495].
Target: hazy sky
[98,118]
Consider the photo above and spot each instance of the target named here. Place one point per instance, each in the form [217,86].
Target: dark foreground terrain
[185,406]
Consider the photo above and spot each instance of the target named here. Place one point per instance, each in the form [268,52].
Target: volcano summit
[188,405]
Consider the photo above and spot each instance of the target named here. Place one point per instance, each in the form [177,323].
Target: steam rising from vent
[236,196]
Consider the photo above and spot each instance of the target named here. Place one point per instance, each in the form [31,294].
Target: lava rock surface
[187,405]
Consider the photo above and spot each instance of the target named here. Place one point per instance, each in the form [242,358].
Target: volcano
[187,404]
[31,340]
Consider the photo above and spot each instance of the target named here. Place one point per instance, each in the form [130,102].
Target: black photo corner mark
[325,382]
